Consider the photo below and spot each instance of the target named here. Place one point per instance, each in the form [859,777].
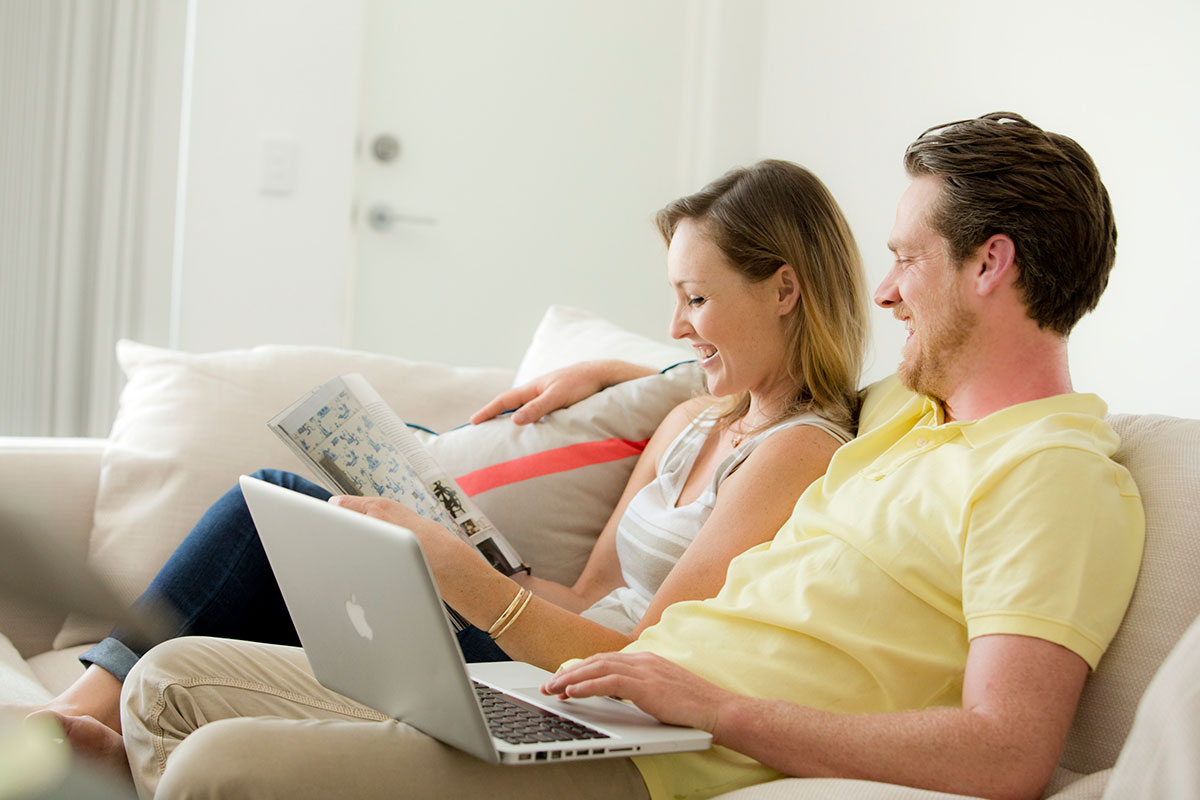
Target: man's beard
[930,371]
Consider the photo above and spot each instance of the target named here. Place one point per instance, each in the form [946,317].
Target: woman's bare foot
[92,740]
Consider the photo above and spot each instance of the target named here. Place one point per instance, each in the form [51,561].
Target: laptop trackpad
[594,711]
[599,711]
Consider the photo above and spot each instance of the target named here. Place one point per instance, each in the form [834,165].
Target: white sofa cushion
[49,499]
[1163,455]
[18,684]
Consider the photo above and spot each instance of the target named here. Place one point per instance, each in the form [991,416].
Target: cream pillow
[188,425]
[550,487]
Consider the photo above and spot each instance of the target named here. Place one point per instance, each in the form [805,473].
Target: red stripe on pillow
[560,459]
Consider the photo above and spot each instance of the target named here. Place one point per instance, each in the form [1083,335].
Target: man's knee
[221,759]
[165,664]
[152,670]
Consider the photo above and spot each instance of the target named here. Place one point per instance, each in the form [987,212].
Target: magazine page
[356,443]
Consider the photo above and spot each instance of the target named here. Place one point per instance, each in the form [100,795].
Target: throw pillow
[551,486]
[568,335]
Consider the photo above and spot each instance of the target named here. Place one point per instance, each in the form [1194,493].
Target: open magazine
[357,445]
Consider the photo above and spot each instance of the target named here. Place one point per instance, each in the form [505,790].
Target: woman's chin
[716,388]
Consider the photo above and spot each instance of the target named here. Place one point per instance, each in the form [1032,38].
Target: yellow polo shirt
[922,535]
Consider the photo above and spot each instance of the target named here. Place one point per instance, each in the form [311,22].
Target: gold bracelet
[517,613]
[503,618]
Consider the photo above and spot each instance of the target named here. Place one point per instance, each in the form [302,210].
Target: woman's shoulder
[676,421]
[812,419]
[687,412]
[799,451]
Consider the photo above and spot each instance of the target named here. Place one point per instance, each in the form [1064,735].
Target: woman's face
[737,327]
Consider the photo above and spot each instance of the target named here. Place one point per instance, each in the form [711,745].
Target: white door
[536,140]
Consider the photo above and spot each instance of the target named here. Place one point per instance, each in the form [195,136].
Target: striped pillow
[551,486]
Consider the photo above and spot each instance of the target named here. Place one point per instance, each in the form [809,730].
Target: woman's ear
[786,287]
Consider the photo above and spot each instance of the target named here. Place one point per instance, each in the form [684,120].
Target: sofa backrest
[1163,455]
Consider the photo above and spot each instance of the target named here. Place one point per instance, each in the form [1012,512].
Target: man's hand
[657,686]
[559,389]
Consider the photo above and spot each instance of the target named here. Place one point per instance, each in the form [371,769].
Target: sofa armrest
[49,492]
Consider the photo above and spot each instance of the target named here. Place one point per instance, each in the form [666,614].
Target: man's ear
[994,263]
[787,289]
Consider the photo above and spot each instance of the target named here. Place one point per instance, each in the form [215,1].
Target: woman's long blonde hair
[775,213]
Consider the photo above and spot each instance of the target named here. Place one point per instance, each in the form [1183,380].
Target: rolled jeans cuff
[113,656]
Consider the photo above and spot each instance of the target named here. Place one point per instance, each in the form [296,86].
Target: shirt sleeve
[1052,550]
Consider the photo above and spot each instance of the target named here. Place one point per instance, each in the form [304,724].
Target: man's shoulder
[1074,421]
[881,400]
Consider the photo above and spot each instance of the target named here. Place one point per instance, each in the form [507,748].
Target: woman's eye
[695,301]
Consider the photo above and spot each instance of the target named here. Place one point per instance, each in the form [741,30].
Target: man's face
[924,289]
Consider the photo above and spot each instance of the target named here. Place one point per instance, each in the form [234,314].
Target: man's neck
[1003,375]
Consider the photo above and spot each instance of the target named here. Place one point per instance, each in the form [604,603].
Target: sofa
[188,424]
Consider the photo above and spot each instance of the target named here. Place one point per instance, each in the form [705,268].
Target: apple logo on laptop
[358,618]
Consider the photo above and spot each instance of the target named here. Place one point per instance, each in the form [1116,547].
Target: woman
[770,292]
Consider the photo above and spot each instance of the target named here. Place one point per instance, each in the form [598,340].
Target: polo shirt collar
[981,431]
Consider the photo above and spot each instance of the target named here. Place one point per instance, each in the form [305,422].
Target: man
[927,616]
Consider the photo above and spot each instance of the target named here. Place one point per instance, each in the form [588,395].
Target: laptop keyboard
[517,723]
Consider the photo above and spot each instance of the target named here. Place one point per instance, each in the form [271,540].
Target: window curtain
[73,119]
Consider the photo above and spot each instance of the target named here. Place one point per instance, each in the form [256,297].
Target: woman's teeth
[706,351]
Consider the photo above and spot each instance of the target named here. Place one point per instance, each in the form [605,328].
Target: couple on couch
[925,614]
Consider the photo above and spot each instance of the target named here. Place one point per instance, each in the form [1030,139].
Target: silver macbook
[374,629]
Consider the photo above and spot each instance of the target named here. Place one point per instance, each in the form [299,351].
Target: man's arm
[1019,697]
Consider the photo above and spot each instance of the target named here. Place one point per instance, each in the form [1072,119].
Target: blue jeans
[219,583]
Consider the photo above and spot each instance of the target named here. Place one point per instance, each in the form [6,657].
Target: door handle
[382,217]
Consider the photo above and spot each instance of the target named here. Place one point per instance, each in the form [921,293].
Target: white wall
[846,86]
[843,88]
[251,267]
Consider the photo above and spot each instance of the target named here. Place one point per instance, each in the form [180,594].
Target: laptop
[375,629]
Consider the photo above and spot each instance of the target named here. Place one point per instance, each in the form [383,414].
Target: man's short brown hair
[1002,174]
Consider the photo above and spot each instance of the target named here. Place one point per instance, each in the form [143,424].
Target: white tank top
[653,532]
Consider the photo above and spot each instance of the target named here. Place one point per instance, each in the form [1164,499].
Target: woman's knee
[290,480]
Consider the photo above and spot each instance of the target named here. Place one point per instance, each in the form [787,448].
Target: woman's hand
[444,551]
[559,389]
[657,686]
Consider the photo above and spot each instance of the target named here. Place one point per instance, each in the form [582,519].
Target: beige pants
[216,718]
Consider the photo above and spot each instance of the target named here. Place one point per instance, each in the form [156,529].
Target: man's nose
[886,294]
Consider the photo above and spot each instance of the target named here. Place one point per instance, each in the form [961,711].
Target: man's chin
[918,379]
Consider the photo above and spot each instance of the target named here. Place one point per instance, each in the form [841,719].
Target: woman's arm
[602,572]
[481,594]
[751,506]
[559,389]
